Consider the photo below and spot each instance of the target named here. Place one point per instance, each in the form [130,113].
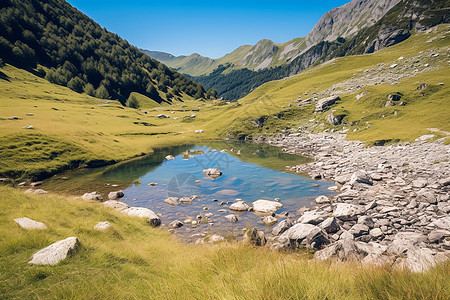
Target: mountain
[343,21]
[347,20]
[158,55]
[395,26]
[68,48]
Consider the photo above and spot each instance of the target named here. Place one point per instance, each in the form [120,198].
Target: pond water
[250,172]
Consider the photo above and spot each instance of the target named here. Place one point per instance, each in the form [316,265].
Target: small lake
[251,171]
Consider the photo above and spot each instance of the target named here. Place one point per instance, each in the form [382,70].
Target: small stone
[170,157]
[176,224]
[269,220]
[153,184]
[101,226]
[322,200]
[232,218]
[376,233]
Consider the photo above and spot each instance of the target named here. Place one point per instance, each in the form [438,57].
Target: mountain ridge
[338,22]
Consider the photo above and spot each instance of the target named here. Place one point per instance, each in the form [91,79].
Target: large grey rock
[361,176]
[115,204]
[420,259]
[265,206]
[27,223]
[330,225]
[403,241]
[443,223]
[304,234]
[212,173]
[325,103]
[334,120]
[143,212]
[312,217]
[92,196]
[359,229]
[345,211]
[239,206]
[56,252]
[366,220]
[115,195]
[436,236]
[282,227]
[345,249]
[445,181]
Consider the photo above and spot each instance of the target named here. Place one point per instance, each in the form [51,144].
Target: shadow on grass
[4,76]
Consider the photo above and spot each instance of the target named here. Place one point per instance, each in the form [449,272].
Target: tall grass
[135,261]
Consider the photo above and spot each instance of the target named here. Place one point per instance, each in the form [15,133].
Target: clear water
[250,172]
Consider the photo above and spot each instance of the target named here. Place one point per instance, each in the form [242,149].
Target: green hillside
[55,41]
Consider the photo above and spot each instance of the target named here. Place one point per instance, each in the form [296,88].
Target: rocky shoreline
[391,207]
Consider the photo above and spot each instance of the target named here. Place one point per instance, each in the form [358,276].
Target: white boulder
[27,223]
[56,252]
[266,206]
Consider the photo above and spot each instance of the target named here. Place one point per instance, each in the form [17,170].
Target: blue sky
[210,28]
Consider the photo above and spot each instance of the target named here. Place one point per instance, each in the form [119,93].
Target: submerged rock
[232,218]
[212,173]
[173,201]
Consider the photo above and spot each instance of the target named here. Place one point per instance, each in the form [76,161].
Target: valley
[334,180]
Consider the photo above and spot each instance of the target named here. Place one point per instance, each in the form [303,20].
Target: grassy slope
[134,261]
[90,129]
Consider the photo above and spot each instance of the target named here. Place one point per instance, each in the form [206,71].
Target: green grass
[135,261]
